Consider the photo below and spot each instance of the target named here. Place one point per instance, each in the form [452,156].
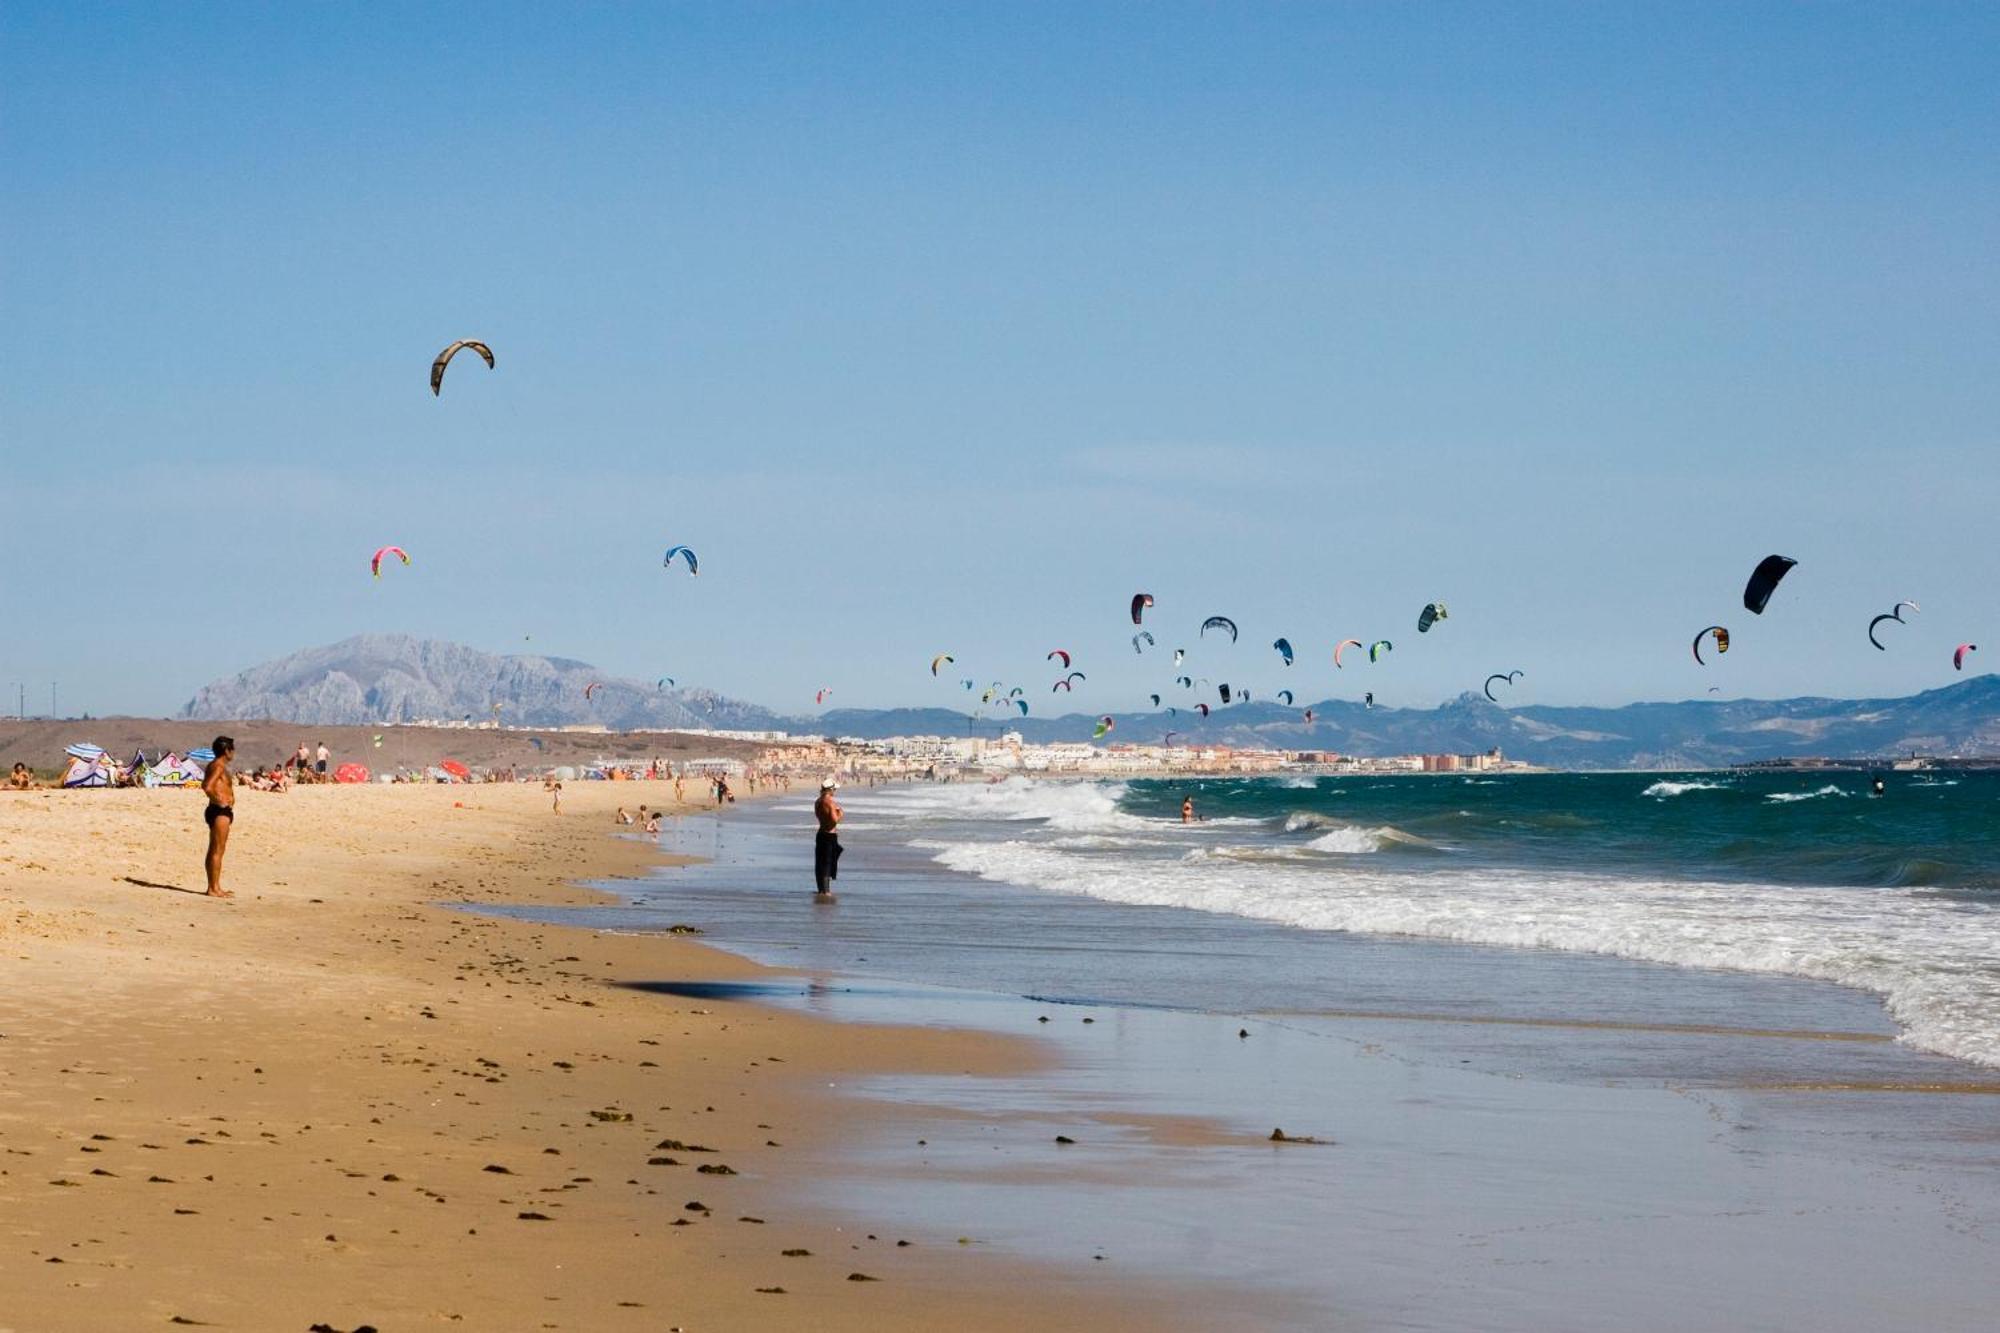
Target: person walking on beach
[220,788]
[826,842]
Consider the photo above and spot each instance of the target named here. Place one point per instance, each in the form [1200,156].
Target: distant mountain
[1959,719]
[382,678]
[379,678]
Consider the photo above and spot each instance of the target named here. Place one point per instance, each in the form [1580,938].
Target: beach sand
[336,1100]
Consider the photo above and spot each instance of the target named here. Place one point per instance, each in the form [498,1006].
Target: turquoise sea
[1699,898]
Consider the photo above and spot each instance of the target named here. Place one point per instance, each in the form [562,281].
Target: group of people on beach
[646,821]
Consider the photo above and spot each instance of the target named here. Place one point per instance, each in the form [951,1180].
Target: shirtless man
[220,788]
[826,843]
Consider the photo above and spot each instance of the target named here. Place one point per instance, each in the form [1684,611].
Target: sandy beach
[336,1100]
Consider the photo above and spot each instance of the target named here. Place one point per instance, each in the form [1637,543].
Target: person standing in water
[220,788]
[1187,810]
[826,842]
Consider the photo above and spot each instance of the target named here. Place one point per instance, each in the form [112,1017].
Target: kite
[1054,653]
[1140,601]
[666,683]
[1368,699]
[1377,648]
[940,660]
[1179,655]
[1286,695]
[1147,635]
[1202,709]
[1764,581]
[1223,690]
[1220,622]
[1022,704]
[1430,615]
[1896,614]
[1342,647]
[686,553]
[1958,657]
[820,698]
[375,563]
[1508,676]
[1104,724]
[592,688]
[1168,738]
[1721,642]
[444,359]
[1185,682]
[1284,647]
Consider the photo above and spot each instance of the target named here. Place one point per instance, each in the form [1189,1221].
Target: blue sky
[948,328]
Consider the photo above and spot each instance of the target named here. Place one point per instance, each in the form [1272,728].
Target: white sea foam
[1935,961]
[1352,840]
[1297,782]
[1666,788]
[1814,795]
[1070,807]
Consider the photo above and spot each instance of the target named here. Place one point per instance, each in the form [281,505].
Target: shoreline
[1500,1170]
[341,1099]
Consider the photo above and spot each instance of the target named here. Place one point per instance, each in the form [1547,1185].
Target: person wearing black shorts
[826,842]
[220,816]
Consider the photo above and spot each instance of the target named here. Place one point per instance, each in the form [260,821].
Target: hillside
[382,679]
[388,678]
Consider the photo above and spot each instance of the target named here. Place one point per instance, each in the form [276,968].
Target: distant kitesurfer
[1187,810]
[826,842]
[1879,788]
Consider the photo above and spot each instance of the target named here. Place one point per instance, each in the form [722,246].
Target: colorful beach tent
[351,773]
[457,770]
[174,771]
[89,766]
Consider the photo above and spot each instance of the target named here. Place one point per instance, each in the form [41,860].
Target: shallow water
[1523,1136]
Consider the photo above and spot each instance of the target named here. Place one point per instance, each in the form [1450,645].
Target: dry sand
[333,1101]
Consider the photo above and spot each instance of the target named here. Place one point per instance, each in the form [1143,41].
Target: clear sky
[949,327]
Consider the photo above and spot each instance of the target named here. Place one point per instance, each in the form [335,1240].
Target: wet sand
[337,1100]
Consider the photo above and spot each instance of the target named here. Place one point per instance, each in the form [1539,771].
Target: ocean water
[1754,902]
[1758,874]
[1551,1029]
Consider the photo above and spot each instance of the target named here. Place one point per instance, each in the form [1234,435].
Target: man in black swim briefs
[220,788]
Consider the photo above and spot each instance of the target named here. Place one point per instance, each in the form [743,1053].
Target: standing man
[319,761]
[826,843]
[220,788]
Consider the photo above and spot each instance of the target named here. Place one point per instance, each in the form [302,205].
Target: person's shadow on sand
[170,888]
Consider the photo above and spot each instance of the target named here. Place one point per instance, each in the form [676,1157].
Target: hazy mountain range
[383,678]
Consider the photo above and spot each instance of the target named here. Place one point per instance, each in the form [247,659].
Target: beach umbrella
[351,773]
[457,770]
